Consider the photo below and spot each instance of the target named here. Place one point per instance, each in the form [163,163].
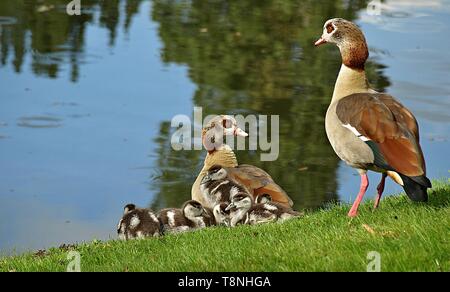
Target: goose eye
[227,124]
[214,169]
[330,28]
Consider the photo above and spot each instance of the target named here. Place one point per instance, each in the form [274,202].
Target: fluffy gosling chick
[190,217]
[262,199]
[217,188]
[137,223]
[249,213]
[221,214]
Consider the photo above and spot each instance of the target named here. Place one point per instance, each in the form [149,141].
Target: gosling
[137,223]
[218,188]
[191,216]
[247,212]
[222,216]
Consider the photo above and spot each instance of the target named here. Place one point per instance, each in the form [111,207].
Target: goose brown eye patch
[227,124]
[330,28]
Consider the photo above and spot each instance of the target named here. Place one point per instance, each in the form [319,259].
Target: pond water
[86,101]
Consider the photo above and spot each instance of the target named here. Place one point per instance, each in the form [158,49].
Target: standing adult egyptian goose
[256,180]
[370,130]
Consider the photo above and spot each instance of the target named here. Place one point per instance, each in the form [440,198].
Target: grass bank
[408,236]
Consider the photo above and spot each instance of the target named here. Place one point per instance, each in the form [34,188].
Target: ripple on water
[404,25]
[40,122]
[64,104]
[64,55]
[6,20]
[407,16]
[79,116]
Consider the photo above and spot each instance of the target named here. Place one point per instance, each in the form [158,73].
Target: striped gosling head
[128,208]
[240,202]
[264,198]
[193,209]
[215,173]
[221,214]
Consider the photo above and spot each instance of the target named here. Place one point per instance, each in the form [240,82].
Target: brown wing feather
[385,121]
[258,182]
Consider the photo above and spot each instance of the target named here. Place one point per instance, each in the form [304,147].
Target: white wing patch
[134,222]
[357,134]
[171,217]
[153,217]
[270,207]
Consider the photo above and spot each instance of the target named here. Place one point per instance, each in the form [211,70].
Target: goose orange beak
[239,132]
[230,206]
[319,42]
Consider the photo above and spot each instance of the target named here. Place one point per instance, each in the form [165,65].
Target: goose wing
[388,127]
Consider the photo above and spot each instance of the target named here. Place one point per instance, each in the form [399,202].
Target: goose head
[264,198]
[349,38]
[193,209]
[221,214]
[217,128]
[215,173]
[240,202]
[128,208]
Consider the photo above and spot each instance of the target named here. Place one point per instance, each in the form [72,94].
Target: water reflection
[51,37]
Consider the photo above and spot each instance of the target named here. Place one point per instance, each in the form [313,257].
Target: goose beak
[240,133]
[206,179]
[230,206]
[320,41]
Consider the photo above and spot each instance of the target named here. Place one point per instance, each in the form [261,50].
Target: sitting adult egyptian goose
[191,216]
[256,180]
[245,211]
[138,223]
[370,130]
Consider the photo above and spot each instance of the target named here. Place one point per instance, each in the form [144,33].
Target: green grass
[409,237]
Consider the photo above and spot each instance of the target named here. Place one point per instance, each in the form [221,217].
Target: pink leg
[362,190]
[380,190]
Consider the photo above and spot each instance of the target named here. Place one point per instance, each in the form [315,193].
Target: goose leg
[380,189]
[362,191]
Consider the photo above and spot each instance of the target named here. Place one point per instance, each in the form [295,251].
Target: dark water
[86,102]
